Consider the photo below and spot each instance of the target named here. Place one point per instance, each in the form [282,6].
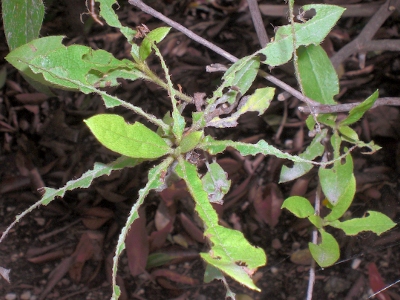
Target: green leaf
[131,140]
[22,20]
[213,147]
[190,141]
[299,206]
[313,31]
[314,150]
[259,102]
[216,183]
[212,273]
[334,181]
[86,179]
[344,201]
[357,112]
[317,221]
[107,12]
[154,182]
[375,222]
[154,36]
[349,134]
[327,252]
[75,67]
[241,75]
[318,76]
[230,251]
[41,46]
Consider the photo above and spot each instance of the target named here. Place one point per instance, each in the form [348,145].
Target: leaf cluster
[80,68]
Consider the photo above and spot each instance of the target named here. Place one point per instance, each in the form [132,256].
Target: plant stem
[311,279]
[147,9]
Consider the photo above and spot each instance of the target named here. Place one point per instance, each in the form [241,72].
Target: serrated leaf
[230,251]
[327,252]
[259,102]
[154,182]
[299,206]
[334,181]
[154,36]
[107,12]
[344,201]
[313,31]
[213,147]
[216,183]
[318,76]
[84,181]
[314,150]
[375,222]
[190,141]
[22,21]
[75,67]
[134,140]
[357,112]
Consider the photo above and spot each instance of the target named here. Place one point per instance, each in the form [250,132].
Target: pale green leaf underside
[258,102]
[313,31]
[334,181]
[133,140]
[344,201]
[216,183]
[327,252]
[375,222]
[314,150]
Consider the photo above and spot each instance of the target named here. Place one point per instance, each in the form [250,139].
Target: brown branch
[258,22]
[326,109]
[147,9]
[352,10]
[360,43]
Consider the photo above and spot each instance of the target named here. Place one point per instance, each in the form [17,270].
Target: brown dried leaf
[174,276]
[164,214]
[158,238]
[301,257]
[110,196]
[384,121]
[95,217]
[191,228]
[267,204]
[90,246]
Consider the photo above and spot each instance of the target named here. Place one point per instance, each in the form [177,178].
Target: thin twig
[368,32]
[258,22]
[326,109]
[147,9]
[311,279]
